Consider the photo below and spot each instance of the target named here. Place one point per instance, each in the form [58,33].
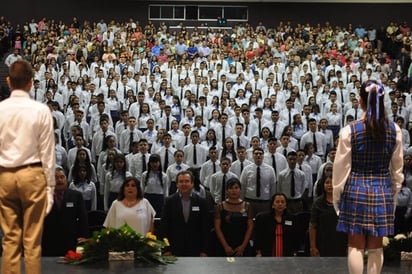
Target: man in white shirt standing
[12,58]
[27,160]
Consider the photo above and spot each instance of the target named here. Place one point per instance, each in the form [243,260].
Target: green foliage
[146,248]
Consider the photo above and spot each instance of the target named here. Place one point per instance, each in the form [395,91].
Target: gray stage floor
[221,266]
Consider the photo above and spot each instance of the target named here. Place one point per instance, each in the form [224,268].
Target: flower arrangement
[119,242]
[398,247]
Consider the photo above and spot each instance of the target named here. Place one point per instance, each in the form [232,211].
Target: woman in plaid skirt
[366,179]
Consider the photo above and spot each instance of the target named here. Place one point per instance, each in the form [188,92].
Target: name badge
[69,204]
[139,210]
[195,208]
[289,223]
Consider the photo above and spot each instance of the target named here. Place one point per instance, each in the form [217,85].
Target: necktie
[104,137]
[356,114]
[246,129]
[223,187]
[292,183]
[202,113]
[258,181]
[197,92]
[274,129]
[100,82]
[260,128]
[186,141]
[241,167]
[214,167]
[274,163]
[58,198]
[290,117]
[307,122]
[194,155]
[124,92]
[285,152]
[35,94]
[223,134]
[168,123]
[341,97]
[131,141]
[238,141]
[314,142]
[256,82]
[143,163]
[166,164]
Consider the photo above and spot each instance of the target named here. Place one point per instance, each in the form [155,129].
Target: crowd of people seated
[253,113]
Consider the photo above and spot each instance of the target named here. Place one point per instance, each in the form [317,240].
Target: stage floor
[214,265]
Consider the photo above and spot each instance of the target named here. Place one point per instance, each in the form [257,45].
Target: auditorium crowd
[253,112]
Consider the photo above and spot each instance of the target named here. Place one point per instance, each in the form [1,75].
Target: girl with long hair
[82,182]
[155,183]
[114,180]
[367,176]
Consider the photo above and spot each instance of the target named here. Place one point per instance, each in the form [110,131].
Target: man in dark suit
[67,220]
[185,220]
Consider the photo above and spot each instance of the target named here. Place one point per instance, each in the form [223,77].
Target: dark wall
[19,11]
[337,14]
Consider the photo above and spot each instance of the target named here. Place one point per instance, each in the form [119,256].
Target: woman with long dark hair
[366,179]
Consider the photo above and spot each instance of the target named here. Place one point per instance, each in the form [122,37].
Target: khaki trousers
[23,201]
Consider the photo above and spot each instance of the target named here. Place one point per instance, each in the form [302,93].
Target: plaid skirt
[367,206]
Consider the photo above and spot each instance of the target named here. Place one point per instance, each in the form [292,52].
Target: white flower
[399,237]
[79,249]
[385,241]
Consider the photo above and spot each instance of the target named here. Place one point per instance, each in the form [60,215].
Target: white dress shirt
[20,116]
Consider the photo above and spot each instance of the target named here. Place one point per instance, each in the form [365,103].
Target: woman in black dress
[325,241]
[233,223]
